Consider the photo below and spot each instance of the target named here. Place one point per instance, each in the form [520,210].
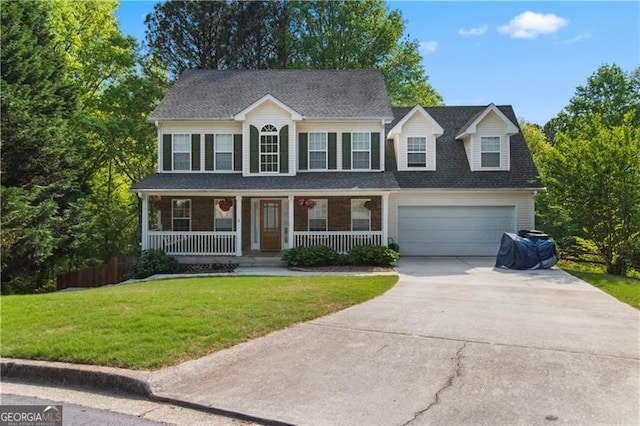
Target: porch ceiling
[236,182]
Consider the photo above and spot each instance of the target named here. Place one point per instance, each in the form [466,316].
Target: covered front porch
[225,224]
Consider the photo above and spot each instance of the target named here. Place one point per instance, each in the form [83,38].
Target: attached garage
[453,230]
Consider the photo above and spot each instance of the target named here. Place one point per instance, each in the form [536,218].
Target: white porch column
[238,225]
[291,207]
[145,222]
[385,219]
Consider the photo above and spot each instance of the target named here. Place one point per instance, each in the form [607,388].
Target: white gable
[472,128]
[436,129]
[267,98]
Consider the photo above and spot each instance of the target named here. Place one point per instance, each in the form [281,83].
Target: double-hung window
[269,152]
[223,219]
[181,152]
[318,216]
[360,150]
[360,215]
[223,152]
[317,151]
[490,151]
[181,215]
[417,152]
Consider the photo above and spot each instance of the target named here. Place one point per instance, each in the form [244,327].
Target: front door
[270,225]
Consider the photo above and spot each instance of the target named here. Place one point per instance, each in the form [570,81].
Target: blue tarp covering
[525,253]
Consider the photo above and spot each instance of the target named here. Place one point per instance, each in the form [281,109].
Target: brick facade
[338,214]
[202,214]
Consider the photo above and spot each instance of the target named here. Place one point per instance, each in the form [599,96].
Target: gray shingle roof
[452,168]
[214,94]
[344,181]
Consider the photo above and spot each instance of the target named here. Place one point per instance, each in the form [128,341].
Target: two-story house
[266,160]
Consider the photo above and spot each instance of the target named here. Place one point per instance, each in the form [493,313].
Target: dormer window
[490,151]
[417,152]
[269,151]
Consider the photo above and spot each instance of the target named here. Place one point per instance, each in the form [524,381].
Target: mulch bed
[345,268]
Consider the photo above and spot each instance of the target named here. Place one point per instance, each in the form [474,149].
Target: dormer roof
[470,126]
[397,128]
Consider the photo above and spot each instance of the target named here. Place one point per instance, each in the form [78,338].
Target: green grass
[625,289]
[158,323]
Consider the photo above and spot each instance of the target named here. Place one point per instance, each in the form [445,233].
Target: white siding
[491,125]
[522,200]
[340,127]
[196,127]
[268,113]
[417,126]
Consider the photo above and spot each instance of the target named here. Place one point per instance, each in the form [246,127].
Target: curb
[60,373]
[130,382]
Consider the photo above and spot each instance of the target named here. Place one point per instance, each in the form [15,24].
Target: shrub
[372,256]
[310,256]
[153,262]
[395,247]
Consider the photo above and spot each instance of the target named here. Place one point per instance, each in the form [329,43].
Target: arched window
[269,150]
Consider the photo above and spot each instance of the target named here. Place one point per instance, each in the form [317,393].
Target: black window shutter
[333,154]
[284,149]
[208,152]
[237,153]
[195,152]
[167,150]
[254,149]
[303,139]
[375,151]
[346,151]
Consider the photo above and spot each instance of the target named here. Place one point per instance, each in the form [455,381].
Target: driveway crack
[457,372]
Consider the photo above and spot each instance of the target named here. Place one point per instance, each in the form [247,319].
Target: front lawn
[158,323]
[625,289]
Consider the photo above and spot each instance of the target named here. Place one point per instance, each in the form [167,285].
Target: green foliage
[395,247]
[310,256]
[594,176]
[301,34]
[610,93]
[406,79]
[372,256]
[41,184]
[152,262]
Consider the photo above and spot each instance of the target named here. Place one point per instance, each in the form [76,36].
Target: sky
[531,55]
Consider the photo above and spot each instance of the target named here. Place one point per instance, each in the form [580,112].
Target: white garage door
[453,231]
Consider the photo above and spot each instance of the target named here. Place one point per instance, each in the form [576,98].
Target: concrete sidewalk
[455,342]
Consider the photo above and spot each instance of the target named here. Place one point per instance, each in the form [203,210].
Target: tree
[281,34]
[594,175]
[190,34]
[610,93]
[40,182]
[406,79]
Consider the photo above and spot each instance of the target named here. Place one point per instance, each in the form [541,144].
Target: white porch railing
[193,243]
[340,241]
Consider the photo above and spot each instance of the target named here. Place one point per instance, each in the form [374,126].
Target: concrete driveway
[454,342]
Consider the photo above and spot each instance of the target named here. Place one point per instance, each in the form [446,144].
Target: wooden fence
[113,272]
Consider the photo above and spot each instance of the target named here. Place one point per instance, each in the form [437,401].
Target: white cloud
[428,46]
[530,25]
[478,31]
